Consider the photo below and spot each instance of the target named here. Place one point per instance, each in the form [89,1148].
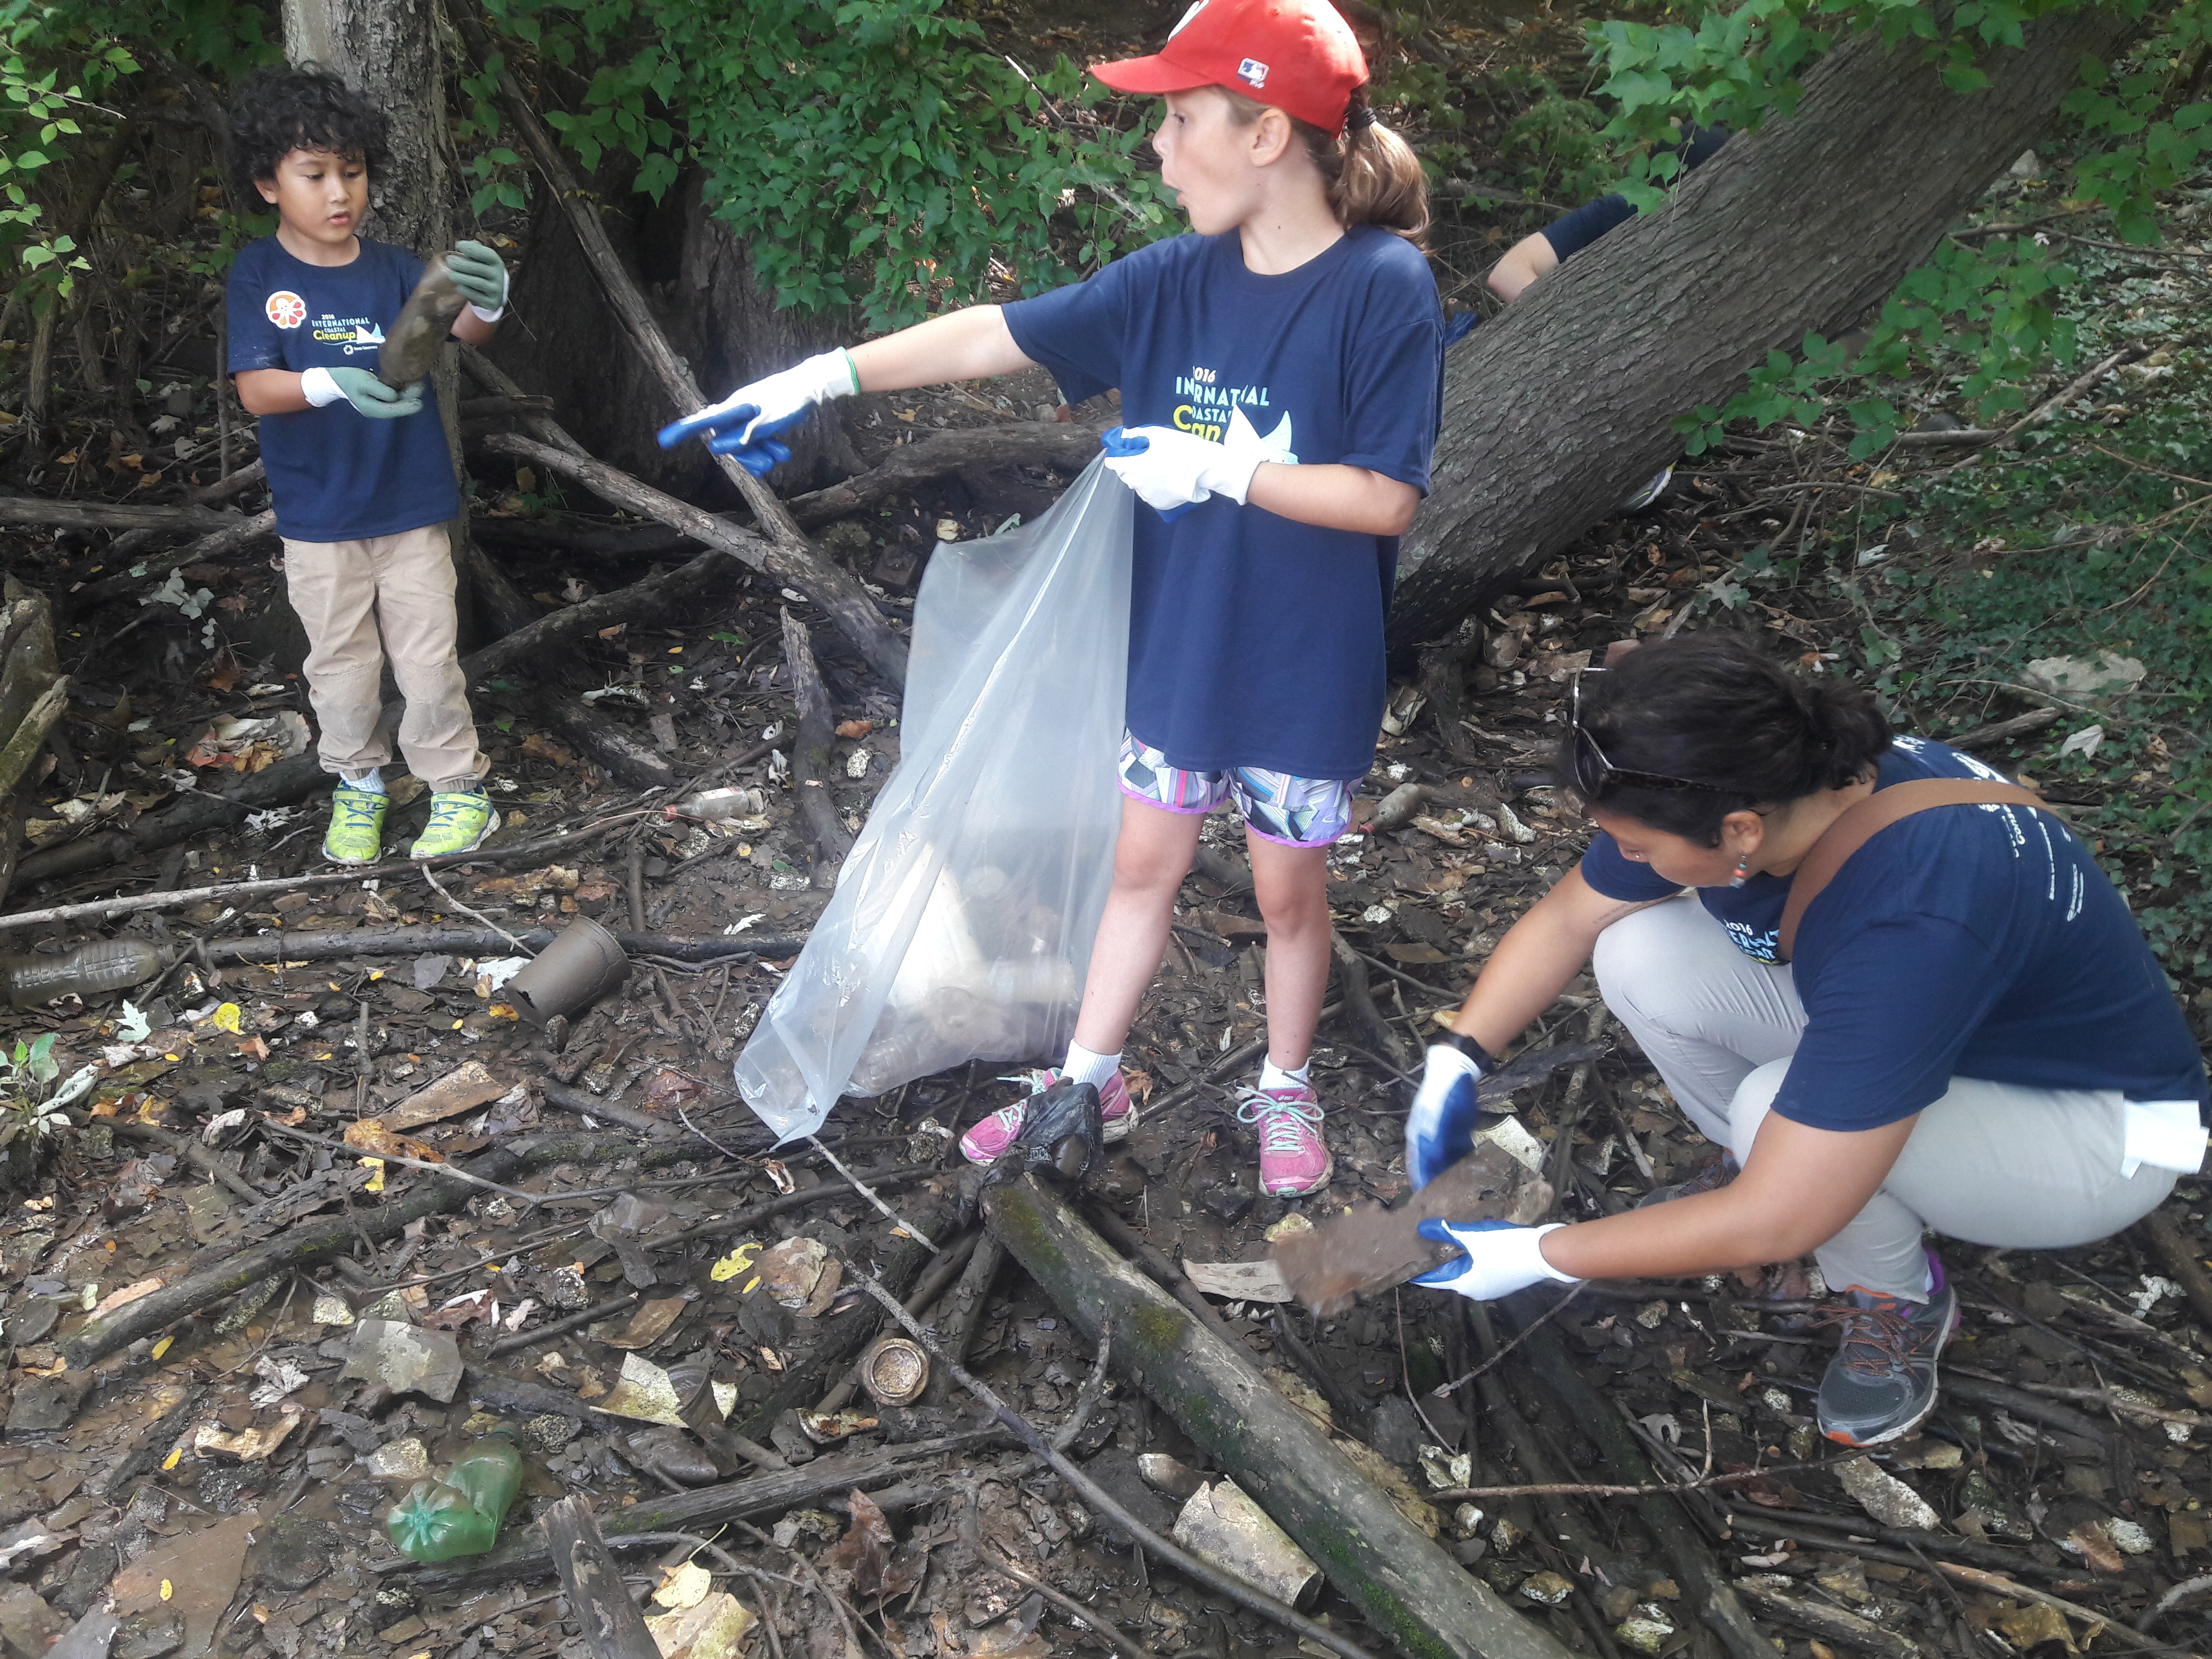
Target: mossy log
[1396,1575]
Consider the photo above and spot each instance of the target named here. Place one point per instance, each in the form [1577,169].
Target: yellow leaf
[176,1454]
[375,1166]
[733,1264]
[168,1590]
[162,1347]
[525,479]
[227,1019]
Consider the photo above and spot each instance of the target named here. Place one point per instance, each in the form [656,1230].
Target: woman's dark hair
[1373,176]
[1713,708]
[274,112]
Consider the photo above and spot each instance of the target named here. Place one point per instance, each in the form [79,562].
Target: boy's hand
[481,275]
[744,424]
[358,386]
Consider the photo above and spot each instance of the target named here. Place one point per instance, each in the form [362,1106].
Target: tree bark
[1559,409]
[592,1585]
[810,753]
[33,695]
[1062,443]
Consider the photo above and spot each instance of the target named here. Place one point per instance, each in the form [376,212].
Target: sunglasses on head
[1594,773]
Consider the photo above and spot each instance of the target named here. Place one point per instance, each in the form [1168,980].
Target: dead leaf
[369,1135]
[2096,1547]
[1414,953]
[860,1555]
[466,1085]
[649,1323]
[855,728]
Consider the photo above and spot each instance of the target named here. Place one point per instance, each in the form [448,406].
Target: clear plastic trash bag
[962,919]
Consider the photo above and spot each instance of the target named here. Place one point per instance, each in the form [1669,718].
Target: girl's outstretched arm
[1335,497]
[961,345]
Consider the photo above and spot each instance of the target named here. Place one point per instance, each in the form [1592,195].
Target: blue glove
[481,275]
[744,424]
[1499,1259]
[1440,1127]
[1119,444]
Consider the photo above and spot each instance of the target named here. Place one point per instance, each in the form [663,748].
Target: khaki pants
[361,601]
[1996,1164]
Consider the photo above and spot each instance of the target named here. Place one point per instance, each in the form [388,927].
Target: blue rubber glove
[362,389]
[1499,1259]
[1440,1127]
[744,425]
[1121,443]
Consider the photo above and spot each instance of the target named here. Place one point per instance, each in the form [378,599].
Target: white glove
[744,424]
[1501,1258]
[1170,469]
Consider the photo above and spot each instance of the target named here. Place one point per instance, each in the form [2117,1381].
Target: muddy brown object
[582,964]
[1371,1249]
[894,1372]
[410,351]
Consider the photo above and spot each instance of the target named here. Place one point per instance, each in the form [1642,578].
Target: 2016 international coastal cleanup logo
[286,309]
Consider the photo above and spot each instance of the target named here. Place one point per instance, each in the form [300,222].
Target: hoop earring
[1742,872]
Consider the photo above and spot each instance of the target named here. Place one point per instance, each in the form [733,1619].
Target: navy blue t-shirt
[335,475]
[1571,233]
[1966,941]
[1254,640]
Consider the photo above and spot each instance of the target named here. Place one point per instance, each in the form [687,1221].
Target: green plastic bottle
[460,1515]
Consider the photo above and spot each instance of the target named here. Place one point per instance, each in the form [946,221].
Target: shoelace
[1280,1122]
[1877,1342]
[446,816]
[357,809]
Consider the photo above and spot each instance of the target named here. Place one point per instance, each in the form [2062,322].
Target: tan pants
[361,601]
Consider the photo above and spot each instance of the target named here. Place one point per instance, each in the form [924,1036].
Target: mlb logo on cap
[1253,70]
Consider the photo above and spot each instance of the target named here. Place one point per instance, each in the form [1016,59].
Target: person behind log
[1544,252]
[1969,1035]
[357,470]
[1281,373]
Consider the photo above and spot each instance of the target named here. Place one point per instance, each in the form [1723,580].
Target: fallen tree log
[105,515]
[33,695]
[609,541]
[281,946]
[526,1557]
[1064,444]
[803,567]
[1399,1577]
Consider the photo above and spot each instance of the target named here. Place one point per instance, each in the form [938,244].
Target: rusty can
[894,1371]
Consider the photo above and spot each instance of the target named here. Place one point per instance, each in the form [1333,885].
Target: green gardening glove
[359,387]
[480,274]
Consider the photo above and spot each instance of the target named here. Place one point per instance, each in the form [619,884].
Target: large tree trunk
[1564,405]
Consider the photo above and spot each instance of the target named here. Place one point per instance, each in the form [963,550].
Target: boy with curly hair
[360,474]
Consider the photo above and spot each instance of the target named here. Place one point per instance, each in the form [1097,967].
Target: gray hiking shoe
[1881,1382]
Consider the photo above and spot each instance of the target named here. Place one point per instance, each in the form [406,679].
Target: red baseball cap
[1298,55]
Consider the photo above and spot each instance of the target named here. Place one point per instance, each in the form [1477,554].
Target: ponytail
[1372,175]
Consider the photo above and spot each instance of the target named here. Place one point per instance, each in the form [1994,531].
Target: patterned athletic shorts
[1275,806]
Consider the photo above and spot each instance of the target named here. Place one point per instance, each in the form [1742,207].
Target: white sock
[1273,1076]
[368,783]
[1081,1066]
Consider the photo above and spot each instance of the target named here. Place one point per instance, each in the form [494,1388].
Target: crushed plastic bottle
[460,1515]
[105,964]
[715,805]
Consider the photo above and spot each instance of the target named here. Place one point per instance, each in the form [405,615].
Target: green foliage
[870,151]
[1989,317]
[31,1105]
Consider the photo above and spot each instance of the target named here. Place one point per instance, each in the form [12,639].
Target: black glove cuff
[1467,1046]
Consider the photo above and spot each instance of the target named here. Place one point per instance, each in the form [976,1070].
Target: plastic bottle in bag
[106,964]
[442,1520]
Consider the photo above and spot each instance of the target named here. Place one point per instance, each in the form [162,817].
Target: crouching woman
[1901,997]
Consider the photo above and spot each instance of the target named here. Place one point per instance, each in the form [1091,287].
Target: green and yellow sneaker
[357,832]
[459,820]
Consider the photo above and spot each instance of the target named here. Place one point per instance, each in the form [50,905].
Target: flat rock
[27,1626]
[45,1404]
[294,1552]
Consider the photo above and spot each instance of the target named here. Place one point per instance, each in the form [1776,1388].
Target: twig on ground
[868,1193]
[529,1200]
[476,916]
[1549,1314]
[1088,1396]
[1585,1489]
[1100,1500]
[1096,1623]
[814,1580]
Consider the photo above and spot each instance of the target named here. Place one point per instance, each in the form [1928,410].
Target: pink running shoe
[1293,1158]
[989,1139]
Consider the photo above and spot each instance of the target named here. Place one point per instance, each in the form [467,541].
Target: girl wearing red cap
[1281,371]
